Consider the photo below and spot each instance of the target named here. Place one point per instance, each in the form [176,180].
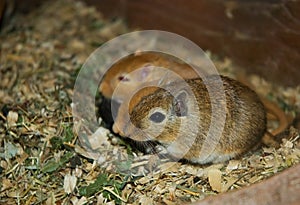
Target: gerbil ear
[144,72]
[180,107]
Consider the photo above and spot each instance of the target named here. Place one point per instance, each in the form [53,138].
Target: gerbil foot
[269,140]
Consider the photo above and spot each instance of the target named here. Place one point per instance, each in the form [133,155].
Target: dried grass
[40,161]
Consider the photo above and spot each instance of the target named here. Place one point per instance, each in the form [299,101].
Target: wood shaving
[41,161]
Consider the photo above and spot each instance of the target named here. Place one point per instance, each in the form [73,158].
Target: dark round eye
[157,117]
[123,78]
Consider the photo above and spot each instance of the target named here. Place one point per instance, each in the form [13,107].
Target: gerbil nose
[116,129]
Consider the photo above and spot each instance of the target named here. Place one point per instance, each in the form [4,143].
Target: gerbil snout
[143,130]
[116,130]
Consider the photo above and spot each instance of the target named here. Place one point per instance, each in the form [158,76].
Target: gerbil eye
[123,78]
[157,117]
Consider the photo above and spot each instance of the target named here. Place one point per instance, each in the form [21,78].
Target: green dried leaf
[56,142]
[68,134]
[66,158]
[52,165]
[101,181]
[124,166]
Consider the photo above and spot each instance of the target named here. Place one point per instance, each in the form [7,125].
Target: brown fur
[245,122]
[135,61]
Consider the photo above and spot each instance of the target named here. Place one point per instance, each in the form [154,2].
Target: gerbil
[120,74]
[158,115]
[272,109]
[143,64]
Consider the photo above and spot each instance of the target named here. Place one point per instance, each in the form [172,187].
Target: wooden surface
[283,188]
[2,7]
[260,36]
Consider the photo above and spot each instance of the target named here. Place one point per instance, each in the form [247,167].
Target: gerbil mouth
[139,135]
[128,130]
[147,147]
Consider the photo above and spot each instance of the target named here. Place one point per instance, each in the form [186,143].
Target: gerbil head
[121,73]
[157,116]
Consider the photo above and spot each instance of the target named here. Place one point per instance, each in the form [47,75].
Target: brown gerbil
[121,75]
[132,71]
[181,120]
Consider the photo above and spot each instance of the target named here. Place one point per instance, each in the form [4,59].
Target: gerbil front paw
[161,150]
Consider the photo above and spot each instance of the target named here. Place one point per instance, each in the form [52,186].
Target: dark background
[261,36]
